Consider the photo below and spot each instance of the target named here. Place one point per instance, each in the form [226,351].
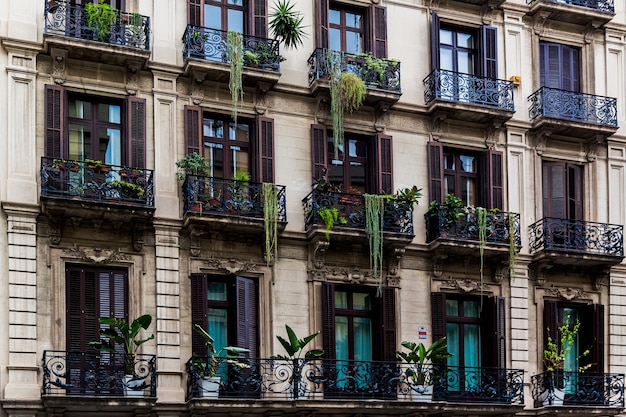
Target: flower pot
[133,386]
[552,397]
[209,387]
[422,393]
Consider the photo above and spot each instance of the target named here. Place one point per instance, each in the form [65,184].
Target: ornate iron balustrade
[599,5]
[90,374]
[127,29]
[279,379]
[207,195]
[578,389]
[212,45]
[80,180]
[397,216]
[569,105]
[463,225]
[465,88]
[363,65]
[576,236]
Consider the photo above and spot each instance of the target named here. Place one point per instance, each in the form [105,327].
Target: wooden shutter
[592,336]
[378,30]
[199,309]
[574,192]
[554,188]
[435,171]
[319,150]
[322,19]
[438,315]
[550,322]
[499,325]
[247,316]
[434,41]
[136,131]
[559,66]
[54,123]
[570,79]
[259,14]
[384,163]
[265,150]
[388,321]
[194,11]
[193,129]
[489,52]
[492,180]
[328,320]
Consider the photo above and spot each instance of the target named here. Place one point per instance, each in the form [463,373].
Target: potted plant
[446,215]
[330,216]
[127,189]
[421,360]
[100,17]
[286,24]
[239,193]
[250,59]
[121,333]
[207,368]
[192,164]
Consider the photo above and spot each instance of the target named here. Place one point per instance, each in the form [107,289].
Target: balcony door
[559,66]
[224,15]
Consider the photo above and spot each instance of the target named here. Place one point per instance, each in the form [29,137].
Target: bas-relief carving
[59,62]
[350,276]
[96,255]
[566,293]
[409,124]
[229,266]
[132,77]
[465,285]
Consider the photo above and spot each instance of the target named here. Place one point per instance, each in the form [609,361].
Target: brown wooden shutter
[54,123]
[378,24]
[260,18]
[438,313]
[434,41]
[550,322]
[247,316]
[592,336]
[322,27]
[385,163]
[193,129]
[328,320]
[194,12]
[489,52]
[199,310]
[492,180]
[264,170]
[319,150]
[571,69]
[388,321]
[574,192]
[136,131]
[435,171]
[499,336]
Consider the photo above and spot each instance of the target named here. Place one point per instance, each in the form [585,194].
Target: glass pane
[361,301]
[452,338]
[334,17]
[235,20]
[357,176]
[471,342]
[80,142]
[570,316]
[445,37]
[471,309]
[334,41]
[354,43]
[468,163]
[341,299]
[468,191]
[218,327]
[79,109]
[110,146]
[452,308]
[240,132]
[362,339]
[236,2]
[445,60]
[213,17]
[465,40]
[214,154]
[213,128]
[240,160]
[341,337]
[448,161]
[357,148]
[353,20]
[449,187]
[465,63]
[109,113]
[217,291]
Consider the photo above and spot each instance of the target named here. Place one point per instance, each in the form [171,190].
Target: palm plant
[286,24]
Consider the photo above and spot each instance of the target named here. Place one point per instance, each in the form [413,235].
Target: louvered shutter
[199,310]
[378,27]
[570,69]
[438,315]
[322,18]
[328,320]
[550,65]
[385,163]
[489,52]
[574,192]
[194,12]
[550,322]
[592,336]
[193,129]
[265,149]
[388,321]
[54,123]
[260,18]
[247,316]
[499,323]
[136,131]
[319,150]
[435,171]
[434,41]
[492,179]
[554,188]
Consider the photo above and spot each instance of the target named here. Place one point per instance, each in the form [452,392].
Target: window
[559,66]
[457,50]
[88,127]
[562,190]
[363,163]
[228,148]
[245,16]
[474,177]
[352,29]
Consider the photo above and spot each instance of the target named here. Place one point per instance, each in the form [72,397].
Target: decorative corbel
[132,77]
[322,109]
[319,252]
[592,148]
[540,23]
[488,12]
[260,105]
[54,230]
[436,125]
[542,272]
[492,134]
[438,264]
[394,260]
[434,4]
[542,138]
[379,123]
[59,62]
[590,31]
[195,240]
[601,279]
[197,90]
[137,238]
[500,272]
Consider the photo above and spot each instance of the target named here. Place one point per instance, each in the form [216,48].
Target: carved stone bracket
[438,264]
[436,125]
[542,138]
[319,252]
[488,12]
[59,63]
[195,240]
[566,293]
[601,279]
[394,260]
[197,90]
[501,271]
[540,274]
[492,135]
[55,226]
[322,109]
[137,238]
[343,275]
[590,31]
[260,106]
[592,148]
[96,255]
[379,116]
[540,23]
[466,285]
[132,77]
[230,266]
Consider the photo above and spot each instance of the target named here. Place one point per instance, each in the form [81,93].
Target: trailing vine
[334,64]
[512,246]
[270,221]
[374,210]
[235,57]
[330,216]
[481,215]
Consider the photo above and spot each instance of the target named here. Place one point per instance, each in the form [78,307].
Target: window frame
[344,28]
[255,16]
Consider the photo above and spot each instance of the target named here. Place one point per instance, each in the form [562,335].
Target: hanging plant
[374,210]
[286,24]
[481,215]
[353,91]
[512,245]
[270,221]
[235,57]
[334,64]
[100,17]
[330,216]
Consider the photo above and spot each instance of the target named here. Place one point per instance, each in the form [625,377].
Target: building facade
[507,115]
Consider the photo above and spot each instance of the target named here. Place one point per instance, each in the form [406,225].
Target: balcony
[127,37]
[205,51]
[581,12]
[350,225]
[467,97]
[576,243]
[381,76]
[572,114]
[355,383]
[578,389]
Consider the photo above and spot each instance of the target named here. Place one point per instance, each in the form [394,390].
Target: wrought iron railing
[397,215]
[576,236]
[578,389]
[96,181]
[463,225]
[126,29]
[465,88]
[569,105]
[599,5]
[280,379]
[375,72]
[212,45]
[207,195]
[90,374]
